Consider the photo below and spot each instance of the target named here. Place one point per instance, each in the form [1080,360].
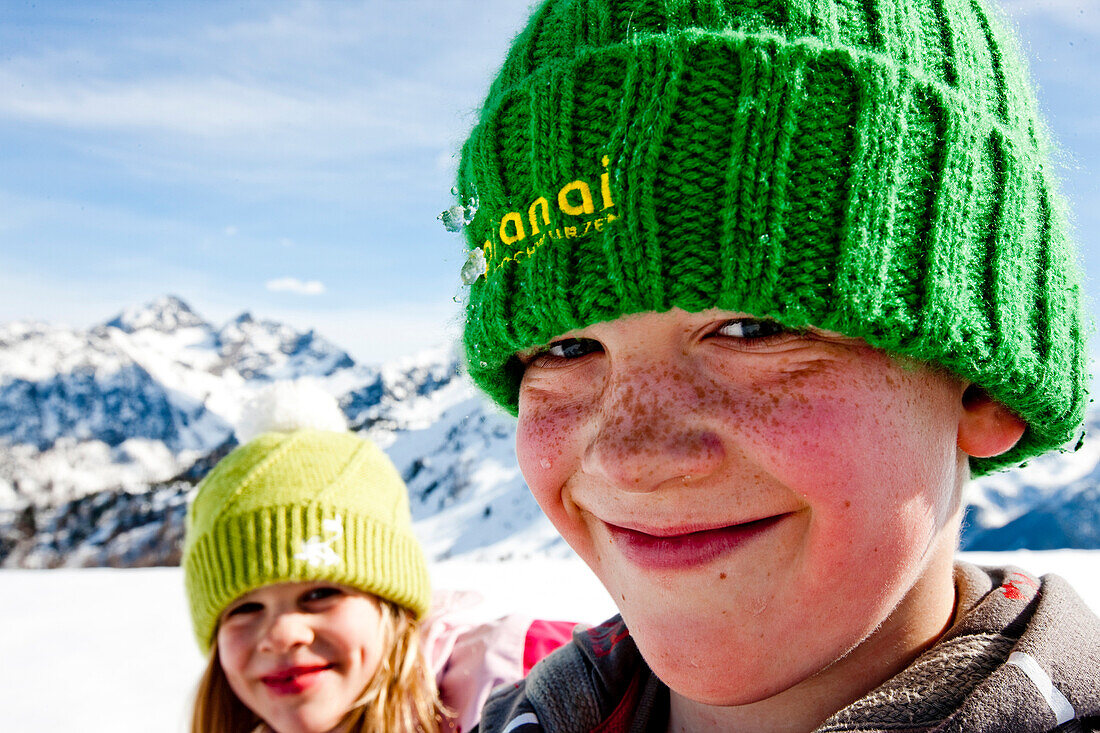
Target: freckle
[622,597]
[721,576]
[847,504]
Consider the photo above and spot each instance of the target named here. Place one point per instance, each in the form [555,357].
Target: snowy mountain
[104,433]
[1050,503]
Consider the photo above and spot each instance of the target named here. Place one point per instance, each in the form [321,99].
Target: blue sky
[290,158]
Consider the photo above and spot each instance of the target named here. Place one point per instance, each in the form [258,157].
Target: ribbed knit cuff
[287,544]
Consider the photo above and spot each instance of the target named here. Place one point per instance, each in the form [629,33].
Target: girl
[308,589]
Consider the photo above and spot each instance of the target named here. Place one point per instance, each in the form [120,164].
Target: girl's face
[300,654]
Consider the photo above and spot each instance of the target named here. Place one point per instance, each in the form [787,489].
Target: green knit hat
[873,168]
[297,504]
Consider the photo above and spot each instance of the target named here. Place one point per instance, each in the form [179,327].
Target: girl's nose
[653,430]
[286,631]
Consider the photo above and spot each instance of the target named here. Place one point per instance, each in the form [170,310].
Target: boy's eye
[752,328]
[320,594]
[244,608]
[565,350]
[572,348]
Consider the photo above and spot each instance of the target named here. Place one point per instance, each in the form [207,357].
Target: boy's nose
[286,631]
[652,432]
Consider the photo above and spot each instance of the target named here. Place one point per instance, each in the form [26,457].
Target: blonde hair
[401,697]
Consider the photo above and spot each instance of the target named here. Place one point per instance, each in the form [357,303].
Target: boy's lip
[671,548]
[292,680]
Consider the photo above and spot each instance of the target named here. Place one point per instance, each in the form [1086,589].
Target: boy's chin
[707,662]
[715,674]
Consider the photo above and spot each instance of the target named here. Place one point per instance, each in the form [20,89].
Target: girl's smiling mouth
[676,550]
[293,680]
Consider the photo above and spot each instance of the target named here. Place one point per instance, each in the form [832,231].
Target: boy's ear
[987,428]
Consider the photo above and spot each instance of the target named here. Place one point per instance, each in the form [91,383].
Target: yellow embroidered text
[574,199]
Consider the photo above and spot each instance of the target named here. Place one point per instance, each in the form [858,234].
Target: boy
[766,282]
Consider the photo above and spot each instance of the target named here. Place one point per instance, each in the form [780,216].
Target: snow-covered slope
[135,401]
[1052,502]
[137,671]
[117,406]
[104,433]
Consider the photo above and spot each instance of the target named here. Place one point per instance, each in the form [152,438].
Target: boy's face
[759,502]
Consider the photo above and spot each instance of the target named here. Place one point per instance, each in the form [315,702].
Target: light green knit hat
[874,168]
[296,504]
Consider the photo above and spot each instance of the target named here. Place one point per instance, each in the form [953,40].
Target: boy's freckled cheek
[783,419]
[546,438]
[813,440]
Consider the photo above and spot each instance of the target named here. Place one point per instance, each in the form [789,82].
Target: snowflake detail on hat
[318,552]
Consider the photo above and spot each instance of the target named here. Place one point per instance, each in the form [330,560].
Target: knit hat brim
[244,552]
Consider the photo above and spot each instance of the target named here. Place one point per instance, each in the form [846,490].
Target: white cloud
[226,112]
[309,80]
[294,285]
[314,101]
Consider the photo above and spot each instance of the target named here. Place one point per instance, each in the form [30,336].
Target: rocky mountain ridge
[104,433]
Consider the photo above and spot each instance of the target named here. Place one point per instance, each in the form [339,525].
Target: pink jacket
[470,656]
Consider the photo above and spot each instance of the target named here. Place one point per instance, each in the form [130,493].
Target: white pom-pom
[286,406]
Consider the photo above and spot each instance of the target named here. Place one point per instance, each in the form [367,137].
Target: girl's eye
[565,350]
[320,593]
[244,608]
[753,330]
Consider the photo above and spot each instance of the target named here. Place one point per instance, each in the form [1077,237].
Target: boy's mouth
[686,549]
[292,680]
